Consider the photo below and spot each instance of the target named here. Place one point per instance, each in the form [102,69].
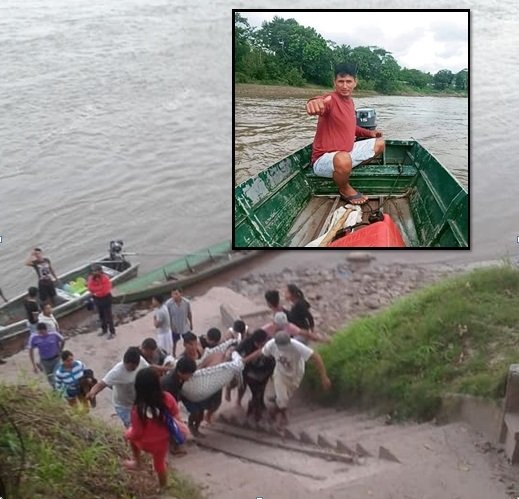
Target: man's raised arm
[318,105]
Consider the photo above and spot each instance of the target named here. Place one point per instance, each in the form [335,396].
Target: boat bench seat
[372,171]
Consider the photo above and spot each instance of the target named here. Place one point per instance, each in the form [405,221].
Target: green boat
[287,205]
[71,295]
[182,272]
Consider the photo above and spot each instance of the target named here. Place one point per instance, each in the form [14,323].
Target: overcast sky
[428,41]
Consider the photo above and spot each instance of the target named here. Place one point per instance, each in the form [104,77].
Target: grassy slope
[67,454]
[458,336]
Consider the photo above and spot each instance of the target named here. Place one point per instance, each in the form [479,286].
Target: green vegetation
[457,336]
[282,52]
[49,450]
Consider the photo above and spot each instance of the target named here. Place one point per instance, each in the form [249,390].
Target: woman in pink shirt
[148,430]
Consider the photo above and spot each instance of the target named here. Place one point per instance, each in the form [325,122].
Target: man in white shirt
[121,378]
[162,323]
[291,356]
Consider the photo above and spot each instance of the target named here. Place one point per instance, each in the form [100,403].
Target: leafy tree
[387,78]
[415,77]
[442,79]
[286,52]
[242,34]
[461,80]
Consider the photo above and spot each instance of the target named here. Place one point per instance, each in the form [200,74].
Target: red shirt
[99,286]
[337,127]
[153,430]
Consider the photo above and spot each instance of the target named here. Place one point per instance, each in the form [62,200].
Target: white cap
[280,319]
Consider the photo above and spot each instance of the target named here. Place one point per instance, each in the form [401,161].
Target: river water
[268,129]
[116,122]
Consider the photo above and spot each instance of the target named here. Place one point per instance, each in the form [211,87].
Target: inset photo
[351,129]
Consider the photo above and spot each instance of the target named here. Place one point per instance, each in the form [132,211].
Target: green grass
[67,454]
[457,336]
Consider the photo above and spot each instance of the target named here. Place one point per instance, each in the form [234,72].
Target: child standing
[149,430]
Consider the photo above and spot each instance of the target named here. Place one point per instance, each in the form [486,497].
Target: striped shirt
[67,380]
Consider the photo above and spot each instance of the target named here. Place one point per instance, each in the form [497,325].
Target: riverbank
[252,90]
[466,467]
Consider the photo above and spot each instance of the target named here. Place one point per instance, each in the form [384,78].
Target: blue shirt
[48,345]
[68,380]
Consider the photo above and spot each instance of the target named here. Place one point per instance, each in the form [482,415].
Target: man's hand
[317,106]
[375,134]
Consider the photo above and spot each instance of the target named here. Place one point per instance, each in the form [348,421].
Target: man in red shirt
[335,151]
[101,288]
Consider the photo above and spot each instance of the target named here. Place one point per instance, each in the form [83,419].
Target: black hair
[185,365]
[239,326]
[189,337]
[214,334]
[149,344]
[295,291]
[66,354]
[33,291]
[345,68]
[38,249]
[248,345]
[177,289]
[259,336]
[158,298]
[272,297]
[132,356]
[149,394]
[41,326]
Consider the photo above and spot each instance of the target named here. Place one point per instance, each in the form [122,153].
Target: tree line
[284,52]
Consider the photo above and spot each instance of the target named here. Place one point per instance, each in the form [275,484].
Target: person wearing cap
[290,356]
[280,323]
[100,287]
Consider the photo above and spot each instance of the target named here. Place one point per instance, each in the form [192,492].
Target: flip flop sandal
[349,199]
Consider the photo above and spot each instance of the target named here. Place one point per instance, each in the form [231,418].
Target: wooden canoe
[182,272]
[287,205]
[13,315]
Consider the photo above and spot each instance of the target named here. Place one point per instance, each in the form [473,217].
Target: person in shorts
[334,150]
[46,275]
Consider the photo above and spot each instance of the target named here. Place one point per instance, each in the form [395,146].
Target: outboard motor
[119,263]
[367,118]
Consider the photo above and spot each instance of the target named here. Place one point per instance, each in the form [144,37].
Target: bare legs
[342,167]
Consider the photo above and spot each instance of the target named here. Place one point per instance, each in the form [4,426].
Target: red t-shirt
[337,127]
[99,287]
[154,430]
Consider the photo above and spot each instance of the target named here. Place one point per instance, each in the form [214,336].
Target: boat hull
[13,316]
[182,272]
[430,207]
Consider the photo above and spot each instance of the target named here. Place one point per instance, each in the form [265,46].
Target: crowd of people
[151,380]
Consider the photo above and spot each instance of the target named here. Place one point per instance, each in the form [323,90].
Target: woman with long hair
[149,430]
[299,313]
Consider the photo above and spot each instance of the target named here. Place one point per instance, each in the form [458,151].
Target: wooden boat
[71,294]
[287,205]
[182,272]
